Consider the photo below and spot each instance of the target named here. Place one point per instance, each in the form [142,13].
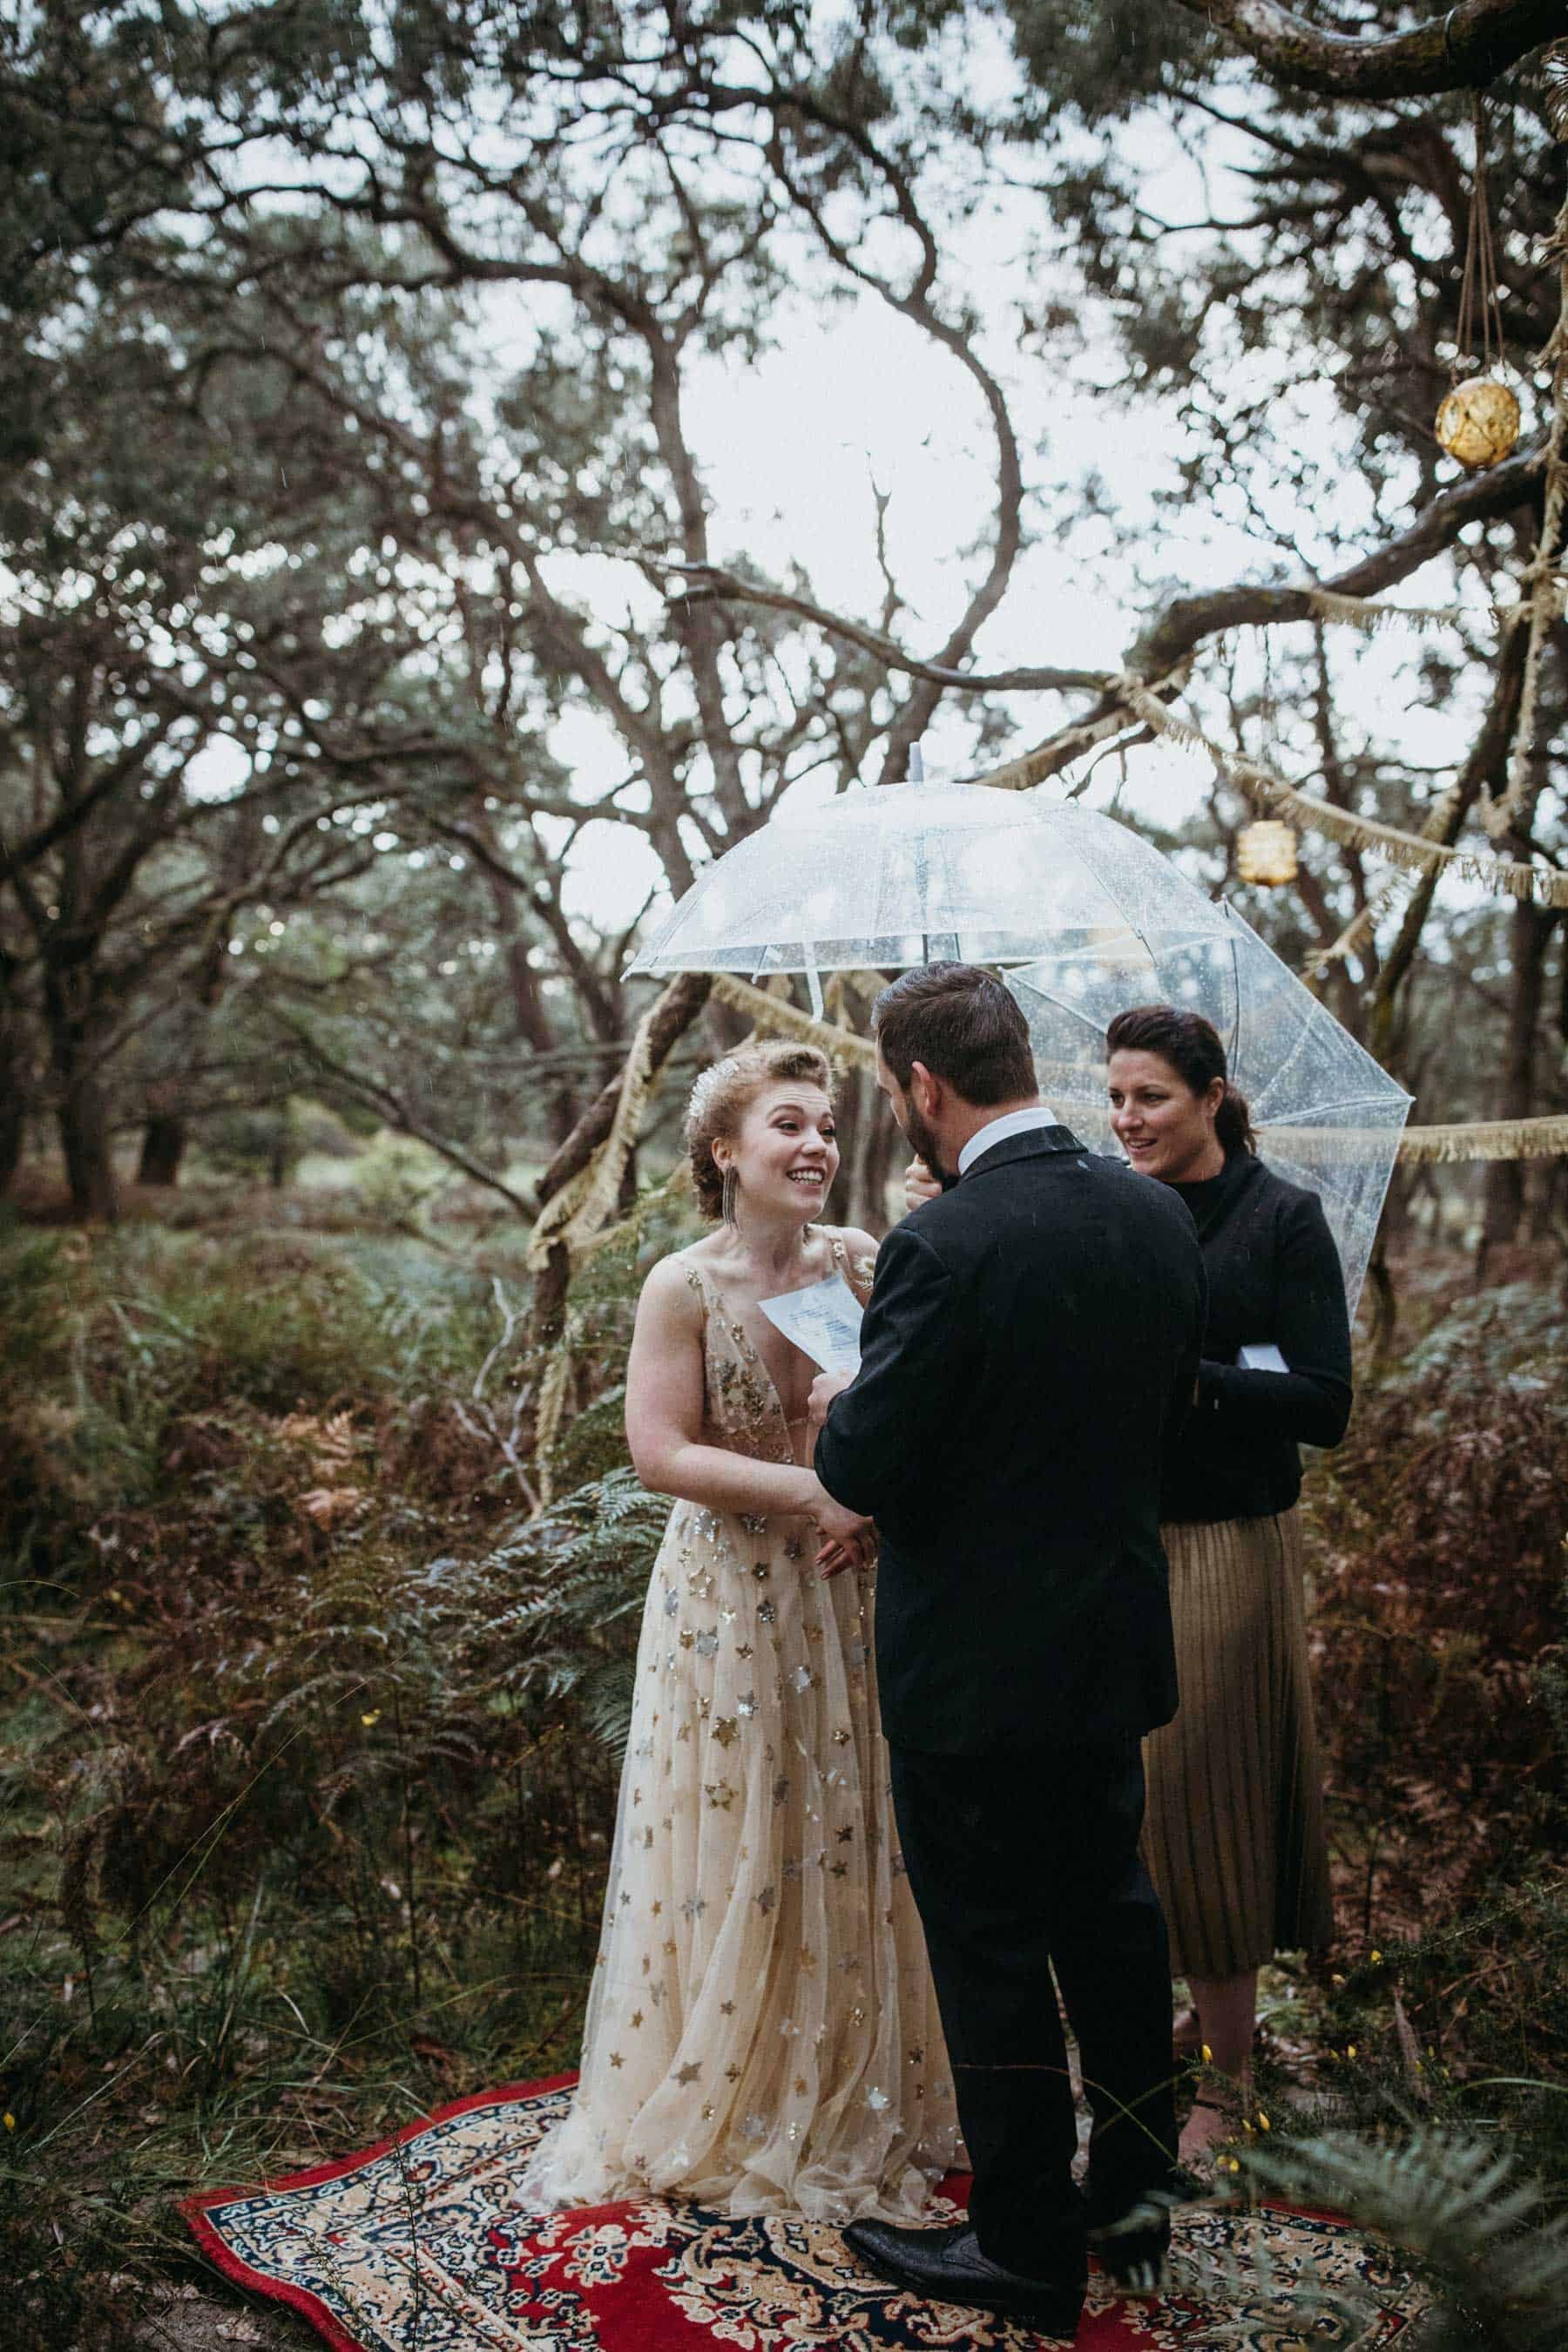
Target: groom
[1029,1351]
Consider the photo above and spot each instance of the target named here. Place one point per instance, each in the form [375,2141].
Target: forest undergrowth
[308,1737]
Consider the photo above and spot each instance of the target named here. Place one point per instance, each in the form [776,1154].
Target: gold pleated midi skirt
[1234,1835]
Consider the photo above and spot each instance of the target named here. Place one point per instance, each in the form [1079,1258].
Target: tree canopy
[353,391]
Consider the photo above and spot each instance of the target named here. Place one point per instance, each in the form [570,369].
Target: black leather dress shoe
[948,2266]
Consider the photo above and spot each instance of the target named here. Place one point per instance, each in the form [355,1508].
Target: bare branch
[710,580]
[1464,47]
[396,1113]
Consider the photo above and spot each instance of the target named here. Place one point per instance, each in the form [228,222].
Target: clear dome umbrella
[881,877]
[1092,918]
[1326,1114]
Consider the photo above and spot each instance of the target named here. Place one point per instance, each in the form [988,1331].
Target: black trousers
[1022,1861]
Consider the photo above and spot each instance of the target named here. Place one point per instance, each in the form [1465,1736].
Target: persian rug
[421,2245]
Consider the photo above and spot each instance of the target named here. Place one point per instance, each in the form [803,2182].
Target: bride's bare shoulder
[672,1284]
[859,1258]
[858,1243]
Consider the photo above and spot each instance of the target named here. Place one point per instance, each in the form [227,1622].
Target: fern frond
[606,1699]
[1480,2239]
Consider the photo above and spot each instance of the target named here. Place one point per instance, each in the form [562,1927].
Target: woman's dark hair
[963,1025]
[1191,1045]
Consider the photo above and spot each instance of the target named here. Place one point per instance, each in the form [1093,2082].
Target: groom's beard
[922,1139]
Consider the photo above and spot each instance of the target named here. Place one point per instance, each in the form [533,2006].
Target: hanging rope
[1479,290]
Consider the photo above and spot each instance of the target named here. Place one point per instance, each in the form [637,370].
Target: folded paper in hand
[823,1321]
[1261,1356]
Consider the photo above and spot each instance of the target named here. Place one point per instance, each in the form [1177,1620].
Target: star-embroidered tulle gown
[761,2034]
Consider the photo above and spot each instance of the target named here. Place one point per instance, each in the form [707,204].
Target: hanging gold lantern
[1478,421]
[1266,854]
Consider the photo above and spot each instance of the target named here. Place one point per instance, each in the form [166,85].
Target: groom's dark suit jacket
[1029,1353]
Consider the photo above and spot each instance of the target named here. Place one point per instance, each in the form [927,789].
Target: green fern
[1490,2257]
[606,1702]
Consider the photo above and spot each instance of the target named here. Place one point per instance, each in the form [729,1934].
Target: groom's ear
[925,1091]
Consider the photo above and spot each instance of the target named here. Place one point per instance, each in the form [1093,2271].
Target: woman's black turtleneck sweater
[1273,1275]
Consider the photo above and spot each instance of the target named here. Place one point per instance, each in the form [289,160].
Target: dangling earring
[727,1198]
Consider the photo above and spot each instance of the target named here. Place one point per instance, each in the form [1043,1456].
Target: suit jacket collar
[1040,1142]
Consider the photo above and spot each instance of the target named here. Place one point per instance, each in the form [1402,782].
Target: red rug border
[194,2209]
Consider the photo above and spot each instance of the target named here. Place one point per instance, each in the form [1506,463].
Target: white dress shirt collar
[1012,1122]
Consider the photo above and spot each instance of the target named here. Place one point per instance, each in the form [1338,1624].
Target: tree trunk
[13,1126]
[1394,1229]
[530,1017]
[1529,936]
[13,1118]
[869,1143]
[84,1139]
[164,1140]
[533,1028]
[83,1113]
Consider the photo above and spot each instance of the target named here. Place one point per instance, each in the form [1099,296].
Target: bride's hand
[920,1185]
[834,1557]
[848,1539]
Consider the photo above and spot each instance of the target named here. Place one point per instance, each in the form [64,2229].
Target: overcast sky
[788,448]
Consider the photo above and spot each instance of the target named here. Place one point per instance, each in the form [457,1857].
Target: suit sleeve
[1310,1403]
[882,1431]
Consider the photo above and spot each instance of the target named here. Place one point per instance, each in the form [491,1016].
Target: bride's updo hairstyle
[725,1093]
[1191,1045]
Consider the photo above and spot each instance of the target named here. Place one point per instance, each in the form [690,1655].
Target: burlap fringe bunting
[1501,1139]
[581,1207]
[1370,614]
[1356,932]
[1410,850]
[783,1019]
[584,1224]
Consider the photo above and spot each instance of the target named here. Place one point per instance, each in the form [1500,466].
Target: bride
[761,2032]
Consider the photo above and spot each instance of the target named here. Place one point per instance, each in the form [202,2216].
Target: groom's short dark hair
[963,1025]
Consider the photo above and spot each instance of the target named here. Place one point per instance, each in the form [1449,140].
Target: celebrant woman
[762,2032]
[1234,1835]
